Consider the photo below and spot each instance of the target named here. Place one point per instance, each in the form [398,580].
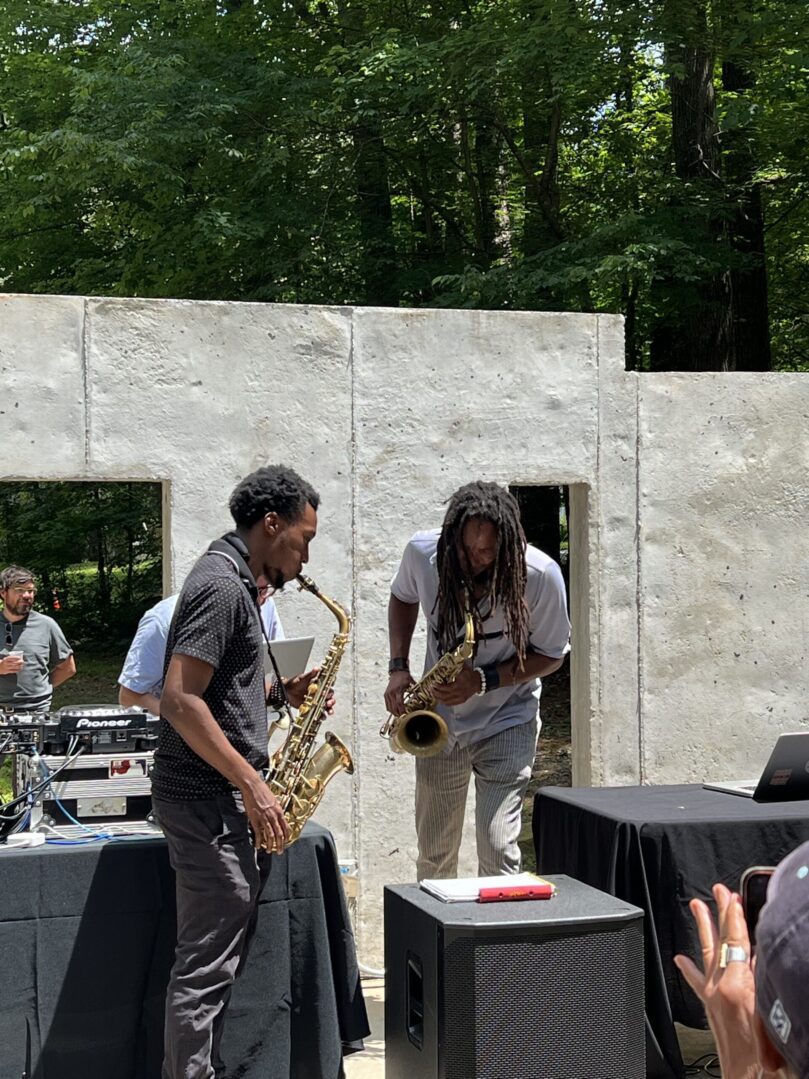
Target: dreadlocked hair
[486,502]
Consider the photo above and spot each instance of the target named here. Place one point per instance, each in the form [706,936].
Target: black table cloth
[87,941]
[659,847]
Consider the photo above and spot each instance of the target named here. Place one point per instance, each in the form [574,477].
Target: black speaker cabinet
[532,989]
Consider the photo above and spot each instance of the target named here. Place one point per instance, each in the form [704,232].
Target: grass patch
[5,780]
[95,682]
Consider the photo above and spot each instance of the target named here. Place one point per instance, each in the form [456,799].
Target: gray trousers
[219,879]
[502,767]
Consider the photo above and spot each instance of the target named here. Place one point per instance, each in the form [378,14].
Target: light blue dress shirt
[143,666]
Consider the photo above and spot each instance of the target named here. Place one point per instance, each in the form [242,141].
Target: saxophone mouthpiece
[306,584]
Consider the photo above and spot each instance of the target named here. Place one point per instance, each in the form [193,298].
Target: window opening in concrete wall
[96,551]
[545,512]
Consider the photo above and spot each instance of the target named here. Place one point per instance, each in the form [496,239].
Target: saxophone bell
[421,732]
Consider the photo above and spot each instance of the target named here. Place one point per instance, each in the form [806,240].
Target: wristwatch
[399,663]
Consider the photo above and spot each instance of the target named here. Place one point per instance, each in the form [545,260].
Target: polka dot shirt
[216,620]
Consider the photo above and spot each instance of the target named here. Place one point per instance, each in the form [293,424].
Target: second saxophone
[420,730]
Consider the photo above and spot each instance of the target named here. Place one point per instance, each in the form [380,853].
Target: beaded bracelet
[481,672]
[489,678]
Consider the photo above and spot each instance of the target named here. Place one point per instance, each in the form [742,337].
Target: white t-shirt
[416,581]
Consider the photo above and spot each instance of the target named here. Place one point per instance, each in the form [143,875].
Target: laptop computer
[785,777]
[291,656]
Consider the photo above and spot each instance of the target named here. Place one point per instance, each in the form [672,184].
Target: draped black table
[87,941]
[659,847]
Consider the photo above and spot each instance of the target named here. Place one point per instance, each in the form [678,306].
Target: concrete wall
[723,467]
[689,588]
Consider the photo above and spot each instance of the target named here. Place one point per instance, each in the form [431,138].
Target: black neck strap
[232,547]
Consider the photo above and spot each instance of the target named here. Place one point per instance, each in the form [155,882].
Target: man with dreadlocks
[517,598]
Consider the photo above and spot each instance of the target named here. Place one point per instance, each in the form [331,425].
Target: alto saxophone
[420,730]
[297,778]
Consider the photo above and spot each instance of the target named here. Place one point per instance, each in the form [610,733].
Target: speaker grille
[516,1008]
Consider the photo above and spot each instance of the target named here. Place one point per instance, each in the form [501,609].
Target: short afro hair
[274,489]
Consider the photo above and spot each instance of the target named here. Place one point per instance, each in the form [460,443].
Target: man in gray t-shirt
[479,561]
[35,657]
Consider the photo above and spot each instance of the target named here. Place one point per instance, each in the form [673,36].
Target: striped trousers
[502,767]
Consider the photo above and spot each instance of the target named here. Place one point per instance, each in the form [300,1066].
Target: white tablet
[291,656]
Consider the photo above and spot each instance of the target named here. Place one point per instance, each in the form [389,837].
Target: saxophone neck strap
[232,547]
[235,552]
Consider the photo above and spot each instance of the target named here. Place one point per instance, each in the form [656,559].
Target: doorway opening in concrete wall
[545,512]
[96,552]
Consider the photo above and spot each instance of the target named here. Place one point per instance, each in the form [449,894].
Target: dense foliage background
[647,158]
[95,550]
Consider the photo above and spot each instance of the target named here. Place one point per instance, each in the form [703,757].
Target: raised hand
[725,984]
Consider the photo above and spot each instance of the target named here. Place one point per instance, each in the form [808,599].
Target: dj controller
[82,764]
[96,726]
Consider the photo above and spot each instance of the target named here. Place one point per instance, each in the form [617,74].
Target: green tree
[539,154]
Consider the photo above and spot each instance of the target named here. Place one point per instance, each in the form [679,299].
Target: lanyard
[279,686]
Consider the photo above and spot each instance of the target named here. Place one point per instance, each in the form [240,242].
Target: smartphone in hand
[755,881]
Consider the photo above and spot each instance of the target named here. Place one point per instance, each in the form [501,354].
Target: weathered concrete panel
[205,392]
[443,397]
[42,416]
[724,503]
[613,560]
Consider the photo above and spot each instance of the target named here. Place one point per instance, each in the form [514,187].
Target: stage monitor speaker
[530,989]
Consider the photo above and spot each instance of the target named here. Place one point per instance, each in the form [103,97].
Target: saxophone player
[517,596]
[209,794]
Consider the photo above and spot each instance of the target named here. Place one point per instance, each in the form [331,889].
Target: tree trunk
[378,259]
[630,306]
[536,235]
[750,311]
[487,159]
[102,576]
[541,128]
[693,116]
[428,232]
[702,339]
[130,545]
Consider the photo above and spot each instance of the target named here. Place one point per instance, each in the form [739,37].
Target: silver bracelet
[480,671]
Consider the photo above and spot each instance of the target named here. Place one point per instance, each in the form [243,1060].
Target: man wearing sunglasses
[35,657]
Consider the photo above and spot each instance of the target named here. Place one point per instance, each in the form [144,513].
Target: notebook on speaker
[785,777]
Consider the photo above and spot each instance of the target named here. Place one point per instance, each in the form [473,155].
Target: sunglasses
[9,637]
